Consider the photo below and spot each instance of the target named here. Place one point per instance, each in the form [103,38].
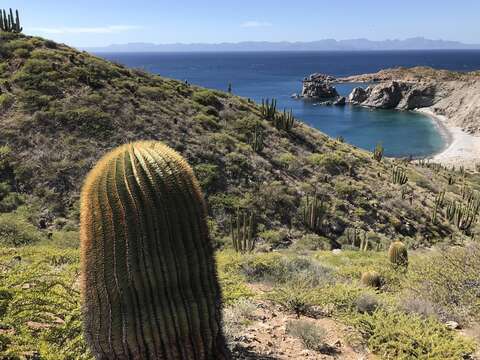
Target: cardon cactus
[372,279]
[149,285]
[398,254]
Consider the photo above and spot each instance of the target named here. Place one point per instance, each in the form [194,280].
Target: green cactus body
[149,285]
[314,212]
[372,279]
[398,254]
[242,230]
[378,152]
[399,175]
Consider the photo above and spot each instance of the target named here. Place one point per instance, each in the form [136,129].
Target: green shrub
[333,162]
[207,121]
[312,242]
[395,335]
[16,231]
[207,98]
[312,335]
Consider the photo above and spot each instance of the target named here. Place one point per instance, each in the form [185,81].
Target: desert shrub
[275,238]
[287,161]
[6,100]
[294,297]
[236,317]
[207,98]
[312,335]
[412,304]
[367,303]
[449,280]
[16,231]
[207,175]
[312,242]
[280,269]
[151,92]
[347,191]
[65,239]
[332,162]
[395,335]
[207,121]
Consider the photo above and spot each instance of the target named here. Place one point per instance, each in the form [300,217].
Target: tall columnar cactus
[9,22]
[463,217]
[372,279]
[357,236]
[314,212]
[258,138]
[438,204]
[149,285]
[378,152]
[398,254]
[242,231]
[399,175]
[268,109]
[284,120]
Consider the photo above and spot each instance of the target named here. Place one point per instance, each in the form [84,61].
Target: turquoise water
[278,75]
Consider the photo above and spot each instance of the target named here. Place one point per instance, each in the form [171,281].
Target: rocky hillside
[61,109]
[454,95]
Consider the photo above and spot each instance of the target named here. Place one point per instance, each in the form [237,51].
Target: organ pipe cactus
[258,138]
[314,212]
[399,175]
[398,254]
[242,230]
[149,285]
[463,217]
[372,279]
[9,22]
[378,152]
[284,121]
[268,109]
[438,204]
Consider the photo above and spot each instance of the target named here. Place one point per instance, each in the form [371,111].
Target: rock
[418,97]
[295,96]
[386,95]
[341,101]
[452,325]
[318,90]
[319,86]
[337,251]
[357,96]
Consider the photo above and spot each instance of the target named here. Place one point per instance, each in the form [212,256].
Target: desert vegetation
[322,249]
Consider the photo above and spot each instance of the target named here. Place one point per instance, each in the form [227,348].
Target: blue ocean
[258,75]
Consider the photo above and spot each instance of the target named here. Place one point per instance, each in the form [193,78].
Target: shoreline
[462,149]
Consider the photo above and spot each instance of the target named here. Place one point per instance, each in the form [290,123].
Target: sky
[85,23]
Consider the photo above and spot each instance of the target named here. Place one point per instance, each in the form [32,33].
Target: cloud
[255,24]
[113,29]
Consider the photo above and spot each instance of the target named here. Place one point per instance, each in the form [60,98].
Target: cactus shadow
[241,352]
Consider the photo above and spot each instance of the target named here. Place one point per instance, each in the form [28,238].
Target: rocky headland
[452,98]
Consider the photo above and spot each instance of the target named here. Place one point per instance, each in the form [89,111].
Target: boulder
[341,101]
[418,97]
[386,95]
[318,90]
[358,96]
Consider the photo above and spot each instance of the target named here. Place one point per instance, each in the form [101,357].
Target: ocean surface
[258,75]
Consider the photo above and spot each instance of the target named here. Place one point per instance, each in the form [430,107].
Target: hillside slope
[61,109]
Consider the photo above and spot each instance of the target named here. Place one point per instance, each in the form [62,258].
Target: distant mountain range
[417,43]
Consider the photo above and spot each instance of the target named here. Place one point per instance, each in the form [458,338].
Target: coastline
[462,149]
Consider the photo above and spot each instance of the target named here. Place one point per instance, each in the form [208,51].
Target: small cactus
[372,279]
[399,175]
[148,276]
[258,138]
[378,152]
[398,254]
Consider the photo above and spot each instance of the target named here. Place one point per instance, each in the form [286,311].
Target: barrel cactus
[398,254]
[149,285]
[372,279]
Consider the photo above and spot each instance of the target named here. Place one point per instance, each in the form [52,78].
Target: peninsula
[451,98]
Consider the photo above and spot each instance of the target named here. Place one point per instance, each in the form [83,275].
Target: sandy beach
[463,149]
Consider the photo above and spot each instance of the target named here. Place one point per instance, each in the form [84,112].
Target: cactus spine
[372,279]
[149,285]
[399,175]
[242,229]
[378,152]
[398,254]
